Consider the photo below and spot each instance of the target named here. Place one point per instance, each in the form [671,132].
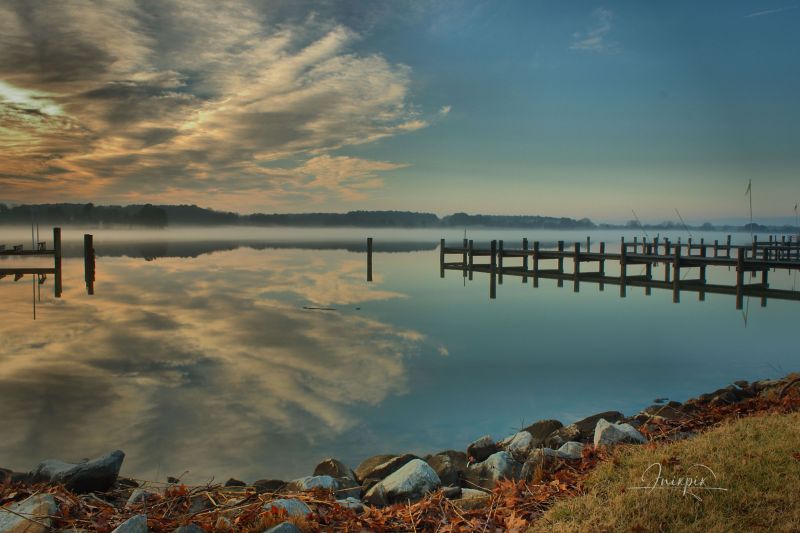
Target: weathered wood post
[471,254]
[623,269]
[369,260]
[728,245]
[716,248]
[493,260]
[57,261]
[441,256]
[88,262]
[588,244]
[535,264]
[702,294]
[765,272]
[525,260]
[500,262]
[464,257]
[739,277]
[689,247]
[667,252]
[676,275]
[493,285]
[601,267]
[560,282]
[648,267]
[635,244]
[576,267]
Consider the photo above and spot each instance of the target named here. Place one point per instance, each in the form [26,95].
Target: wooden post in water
[729,246]
[602,264]
[493,284]
[369,259]
[716,248]
[560,282]
[667,251]
[535,264]
[88,262]
[623,268]
[676,275]
[500,262]
[493,261]
[471,255]
[635,244]
[588,244]
[702,293]
[441,257]
[57,261]
[739,277]
[525,260]
[764,280]
[576,267]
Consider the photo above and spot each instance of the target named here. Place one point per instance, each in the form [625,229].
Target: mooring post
[623,269]
[493,261]
[676,275]
[464,258]
[667,252]
[635,245]
[716,247]
[739,277]
[500,262]
[648,267]
[765,272]
[602,265]
[88,262]
[471,256]
[728,246]
[576,267]
[655,245]
[535,264]
[524,260]
[588,244]
[702,294]
[755,245]
[689,247]
[57,261]
[560,282]
[492,284]
[369,259]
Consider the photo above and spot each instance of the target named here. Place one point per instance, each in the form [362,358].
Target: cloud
[595,38]
[132,100]
[769,12]
[445,109]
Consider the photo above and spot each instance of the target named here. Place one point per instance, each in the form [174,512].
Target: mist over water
[198,351]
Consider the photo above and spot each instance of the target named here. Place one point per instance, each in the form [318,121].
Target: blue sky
[517,107]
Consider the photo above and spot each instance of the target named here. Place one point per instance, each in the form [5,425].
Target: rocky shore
[542,461]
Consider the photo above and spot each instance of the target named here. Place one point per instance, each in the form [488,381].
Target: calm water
[196,352]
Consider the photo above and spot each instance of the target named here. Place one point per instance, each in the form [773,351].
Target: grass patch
[756,458]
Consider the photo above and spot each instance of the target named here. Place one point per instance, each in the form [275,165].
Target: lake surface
[197,351]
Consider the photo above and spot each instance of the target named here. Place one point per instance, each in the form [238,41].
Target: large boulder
[541,430]
[486,474]
[136,524]
[481,449]
[292,507]
[97,475]
[378,467]
[410,483]
[308,483]
[520,444]
[39,507]
[450,466]
[334,468]
[609,434]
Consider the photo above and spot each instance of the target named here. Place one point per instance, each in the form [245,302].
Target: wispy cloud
[769,12]
[121,102]
[596,37]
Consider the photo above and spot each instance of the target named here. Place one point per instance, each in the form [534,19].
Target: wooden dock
[673,257]
[39,251]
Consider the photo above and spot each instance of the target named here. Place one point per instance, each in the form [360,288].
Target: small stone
[380,466]
[305,484]
[283,527]
[451,493]
[408,484]
[39,507]
[139,496]
[481,449]
[486,474]
[607,433]
[334,468]
[354,504]
[232,482]
[571,450]
[269,485]
[472,499]
[137,524]
[292,507]
[562,435]
[97,475]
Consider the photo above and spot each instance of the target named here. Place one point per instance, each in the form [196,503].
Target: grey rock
[450,467]
[562,435]
[586,426]
[139,496]
[520,444]
[191,528]
[232,482]
[334,468]
[38,507]
[97,475]
[380,466]
[269,485]
[607,433]
[664,412]
[571,450]
[541,430]
[283,527]
[451,493]
[540,459]
[482,448]
[308,483]
[137,524]
[354,504]
[291,506]
[198,503]
[472,499]
[410,483]
[486,474]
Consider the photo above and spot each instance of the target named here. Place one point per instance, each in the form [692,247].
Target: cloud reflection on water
[209,364]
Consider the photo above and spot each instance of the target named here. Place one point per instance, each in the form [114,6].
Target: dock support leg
[535,264]
[560,262]
[57,261]
[525,260]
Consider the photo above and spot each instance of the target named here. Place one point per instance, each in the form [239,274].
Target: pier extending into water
[674,258]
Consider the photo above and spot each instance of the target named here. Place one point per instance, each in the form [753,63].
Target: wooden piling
[441,255]
[493,262]
[740,277]
[676,275]
[471,254]
[576,267]
[500,261]
[525,260]
[535,263]
[88,262]
[369,259]
[57,261]
[623,269]
[560,282]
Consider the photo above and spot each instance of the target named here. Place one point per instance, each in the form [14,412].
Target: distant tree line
[160,216]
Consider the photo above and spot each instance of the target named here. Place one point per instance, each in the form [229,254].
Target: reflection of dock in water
[758,257]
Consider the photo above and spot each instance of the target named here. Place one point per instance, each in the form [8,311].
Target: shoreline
[379,485]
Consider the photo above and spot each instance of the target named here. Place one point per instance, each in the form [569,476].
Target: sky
[528,107]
